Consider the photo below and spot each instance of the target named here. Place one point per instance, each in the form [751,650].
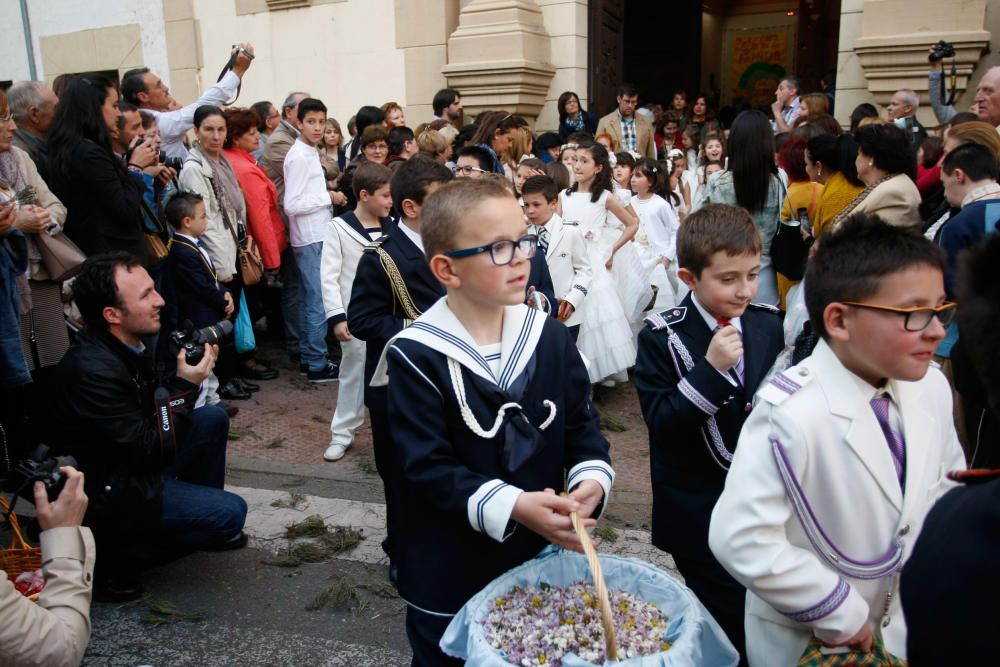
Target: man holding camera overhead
[147,91]
[155,465]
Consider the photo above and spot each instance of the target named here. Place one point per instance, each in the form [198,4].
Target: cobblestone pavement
[289,421]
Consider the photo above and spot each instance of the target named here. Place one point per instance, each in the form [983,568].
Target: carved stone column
[499,57]
[895,36]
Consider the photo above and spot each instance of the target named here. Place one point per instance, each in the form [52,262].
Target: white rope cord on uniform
[455,371]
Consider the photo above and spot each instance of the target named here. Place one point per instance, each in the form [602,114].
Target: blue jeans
[197,512]
[312,315]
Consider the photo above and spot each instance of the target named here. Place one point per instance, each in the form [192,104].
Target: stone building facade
[517,55]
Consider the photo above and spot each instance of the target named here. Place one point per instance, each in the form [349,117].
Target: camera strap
[164,418]
[950,98]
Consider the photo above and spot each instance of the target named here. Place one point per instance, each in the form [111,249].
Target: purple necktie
[897,446]
[724,322]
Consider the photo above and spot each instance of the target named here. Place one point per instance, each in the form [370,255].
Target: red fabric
[928,180]
[263,220]
[722,321]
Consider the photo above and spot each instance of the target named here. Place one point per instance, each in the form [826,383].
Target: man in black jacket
[155,467]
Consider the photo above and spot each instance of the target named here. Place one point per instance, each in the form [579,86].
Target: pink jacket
[263,221]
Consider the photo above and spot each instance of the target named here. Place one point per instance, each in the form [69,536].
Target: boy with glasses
[489,401]
[473,161]
[846,452]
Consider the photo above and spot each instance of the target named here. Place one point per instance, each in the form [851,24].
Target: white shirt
[660,224]
[175,124]
[307,202]
[412,235]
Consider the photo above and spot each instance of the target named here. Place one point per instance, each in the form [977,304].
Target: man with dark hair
[631,132]
[787,104]
[155,466]
[129,127]
[969,174]
[447,105]
[402,146]
[33,107]
[145,90]
[473,161]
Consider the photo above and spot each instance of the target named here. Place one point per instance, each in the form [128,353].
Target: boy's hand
[589,494]
[862,639]
[341,331]
[548,515]
[565,310]
[725,349]
[229,303]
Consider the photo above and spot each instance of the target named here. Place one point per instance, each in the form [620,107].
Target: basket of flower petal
[19,557]
[546,612]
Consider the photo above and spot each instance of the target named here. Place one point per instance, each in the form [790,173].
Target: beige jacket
[644,142]
[46,199]
[895,201]
[55,631]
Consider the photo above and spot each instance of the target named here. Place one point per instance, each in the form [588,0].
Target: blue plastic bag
[243,336]
[696,640]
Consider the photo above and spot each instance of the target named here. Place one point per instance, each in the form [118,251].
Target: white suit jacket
[343,244]
[569,264]
[820,413]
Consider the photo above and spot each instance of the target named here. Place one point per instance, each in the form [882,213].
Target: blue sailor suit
[814,519]
[376,315]
[694,415]
[469,442]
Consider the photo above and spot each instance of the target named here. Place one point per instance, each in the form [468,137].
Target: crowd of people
[763,275]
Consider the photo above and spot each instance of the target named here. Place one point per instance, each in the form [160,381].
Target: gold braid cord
[398,285]
[610,641]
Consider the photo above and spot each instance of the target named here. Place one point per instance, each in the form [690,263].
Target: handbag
[248,258]
[789,251]
[243,336]
[62,257]
[250,262]
[158,250]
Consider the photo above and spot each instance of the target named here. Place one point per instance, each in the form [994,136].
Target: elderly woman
[887,166]
[44,338]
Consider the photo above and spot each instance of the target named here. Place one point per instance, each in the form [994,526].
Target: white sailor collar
[440,330]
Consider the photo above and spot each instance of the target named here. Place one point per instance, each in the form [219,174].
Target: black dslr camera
[192,340]
[174,163]
[39,467]
[941,51]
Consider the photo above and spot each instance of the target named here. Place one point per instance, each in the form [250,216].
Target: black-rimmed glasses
[915,319]
[502,251]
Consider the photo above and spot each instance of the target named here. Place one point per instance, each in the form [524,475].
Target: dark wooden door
[607,54]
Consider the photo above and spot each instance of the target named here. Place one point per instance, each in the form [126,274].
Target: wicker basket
[590,551]
[19,557]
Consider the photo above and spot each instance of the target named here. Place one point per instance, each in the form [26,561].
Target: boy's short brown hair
[451,206]
[370,176]
[714,228]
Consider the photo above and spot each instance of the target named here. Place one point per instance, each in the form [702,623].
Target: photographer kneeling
[56,630]
[155,466]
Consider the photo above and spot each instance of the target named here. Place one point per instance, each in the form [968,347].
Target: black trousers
[722,595]
[424,632]
[392,477]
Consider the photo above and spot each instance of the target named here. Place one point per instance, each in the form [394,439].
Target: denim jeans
[197,512]
[312,315]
